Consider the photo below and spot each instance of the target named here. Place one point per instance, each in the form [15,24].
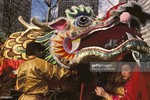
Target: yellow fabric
[1,61]
[120,91]
[110,98]
[32,76]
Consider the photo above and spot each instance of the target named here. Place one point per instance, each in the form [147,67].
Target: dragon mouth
[111,44]
[107,38]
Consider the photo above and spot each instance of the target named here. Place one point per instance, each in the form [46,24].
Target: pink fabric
[59,24]
[125,17]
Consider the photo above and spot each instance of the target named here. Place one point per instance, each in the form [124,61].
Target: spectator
[133,89]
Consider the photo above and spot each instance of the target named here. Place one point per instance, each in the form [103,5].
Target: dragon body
[82,35]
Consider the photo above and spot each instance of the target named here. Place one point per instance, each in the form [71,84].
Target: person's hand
[101,92]
[125,17]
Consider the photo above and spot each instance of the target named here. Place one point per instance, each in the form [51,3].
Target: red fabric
[10,63]
[1,69]
[135,88]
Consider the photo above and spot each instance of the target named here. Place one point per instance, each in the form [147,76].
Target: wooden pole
[81,91]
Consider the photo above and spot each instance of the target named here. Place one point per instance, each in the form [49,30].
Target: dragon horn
[25,24]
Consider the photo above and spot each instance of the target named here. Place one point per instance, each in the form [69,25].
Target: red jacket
[135,88]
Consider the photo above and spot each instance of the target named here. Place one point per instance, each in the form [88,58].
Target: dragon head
[82,34]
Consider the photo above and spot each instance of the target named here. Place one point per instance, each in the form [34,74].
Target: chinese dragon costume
[81,37]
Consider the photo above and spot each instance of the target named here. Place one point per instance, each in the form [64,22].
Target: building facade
[98,6]
[66,4]
[1,14]
[9,12]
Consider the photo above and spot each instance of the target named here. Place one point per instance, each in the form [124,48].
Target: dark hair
[34,47]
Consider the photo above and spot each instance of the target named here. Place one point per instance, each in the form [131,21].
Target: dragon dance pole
[81,91]
[110,2]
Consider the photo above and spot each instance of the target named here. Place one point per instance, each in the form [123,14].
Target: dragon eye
[83,21]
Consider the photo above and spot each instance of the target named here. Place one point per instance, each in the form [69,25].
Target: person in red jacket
[134,88]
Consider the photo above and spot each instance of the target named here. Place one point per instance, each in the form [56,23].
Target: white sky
[39,9]
[104,6]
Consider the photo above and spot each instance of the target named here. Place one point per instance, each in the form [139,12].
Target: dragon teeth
[129,36]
